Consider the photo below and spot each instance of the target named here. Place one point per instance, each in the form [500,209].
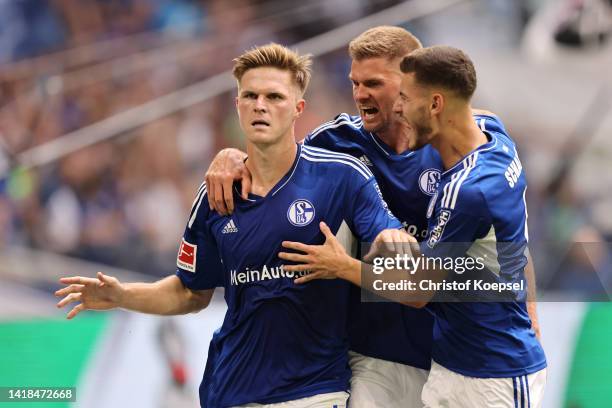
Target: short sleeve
[490,123]
[452,233]
[462,218]
[369,213]
[199,264]
[335,134]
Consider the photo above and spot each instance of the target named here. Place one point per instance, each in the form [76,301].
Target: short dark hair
[442,66]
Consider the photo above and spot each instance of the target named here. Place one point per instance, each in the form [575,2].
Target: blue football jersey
[280,341]
[479,211]
[387,330]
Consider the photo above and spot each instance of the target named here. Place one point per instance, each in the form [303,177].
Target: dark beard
[422,135]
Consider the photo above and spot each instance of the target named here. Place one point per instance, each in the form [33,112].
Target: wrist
[350,267]
[122,294]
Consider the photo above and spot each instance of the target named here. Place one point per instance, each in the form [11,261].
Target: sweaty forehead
[267,79]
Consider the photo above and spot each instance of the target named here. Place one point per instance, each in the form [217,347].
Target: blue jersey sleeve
[336,133]
[490,122]
[369,213]
[198,262]
[462,219]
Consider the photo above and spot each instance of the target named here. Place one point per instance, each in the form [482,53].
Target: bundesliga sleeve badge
[186,258]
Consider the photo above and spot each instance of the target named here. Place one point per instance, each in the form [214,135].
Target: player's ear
[437,103]
[299,107]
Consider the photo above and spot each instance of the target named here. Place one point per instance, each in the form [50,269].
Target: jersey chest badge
[428,181]
[301,212]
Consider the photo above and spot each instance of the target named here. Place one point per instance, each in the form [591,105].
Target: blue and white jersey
[388,330]
[280,341]
[479,211]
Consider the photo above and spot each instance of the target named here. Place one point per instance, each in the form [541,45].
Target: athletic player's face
[268,103]
[376,84]
[412,107]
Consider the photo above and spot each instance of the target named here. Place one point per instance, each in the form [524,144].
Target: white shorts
[384,384]
[446,388]
[328,400]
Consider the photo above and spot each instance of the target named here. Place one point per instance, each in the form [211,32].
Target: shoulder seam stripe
[317,151]
[343,117]
[326,153]
[334,155]
[457,177]
[336,160]
[335,124]
[198,194]
[457,180]
[195,212]
[471,165]
[482,124]
[448,188]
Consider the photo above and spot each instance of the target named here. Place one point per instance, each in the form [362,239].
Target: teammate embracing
[280,343]
[390,343]
[485,353]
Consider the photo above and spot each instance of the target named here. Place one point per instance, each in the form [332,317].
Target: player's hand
[227,167]
[101,293]
[326,261]
[391,242]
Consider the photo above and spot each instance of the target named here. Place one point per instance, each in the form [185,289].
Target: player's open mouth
[367,113]
[259,123]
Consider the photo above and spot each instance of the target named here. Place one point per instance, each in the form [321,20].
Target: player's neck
[394,137]
[459,137]
[269,163]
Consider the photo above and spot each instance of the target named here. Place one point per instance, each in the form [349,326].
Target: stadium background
[111,110]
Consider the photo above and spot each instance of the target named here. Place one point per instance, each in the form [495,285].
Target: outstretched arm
[227,167]
[167,296]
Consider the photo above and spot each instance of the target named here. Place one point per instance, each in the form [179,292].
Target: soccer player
[484,352]
[279,342]
[390,343]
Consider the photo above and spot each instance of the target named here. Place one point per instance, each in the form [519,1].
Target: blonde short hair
[383,41]
[276,56]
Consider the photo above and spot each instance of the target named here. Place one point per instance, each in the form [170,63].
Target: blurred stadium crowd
[67,64]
